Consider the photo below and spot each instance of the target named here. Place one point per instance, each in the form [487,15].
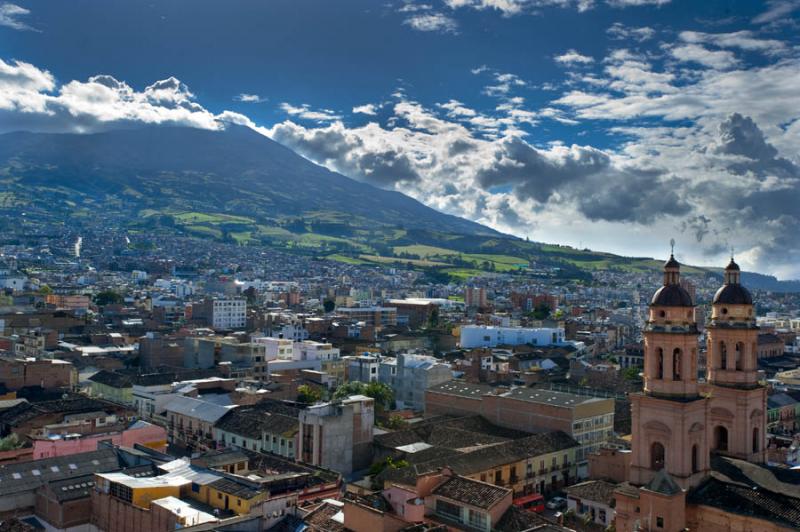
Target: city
[207,325]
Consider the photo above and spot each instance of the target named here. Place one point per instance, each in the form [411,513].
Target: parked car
[557,503]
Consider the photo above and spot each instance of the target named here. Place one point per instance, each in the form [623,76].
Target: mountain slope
[236,171]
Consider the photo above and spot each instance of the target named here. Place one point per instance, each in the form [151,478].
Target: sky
[614,125]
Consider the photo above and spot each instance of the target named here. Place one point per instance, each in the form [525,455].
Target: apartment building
[338,435]
[490,336]
[371,316]
[411,375]
[221,314]
[590,420]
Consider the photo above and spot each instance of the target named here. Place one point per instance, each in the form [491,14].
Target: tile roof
[112,379]
[593,490]
[27,476]
[197,409]
[472,492]
[252,421]
[325,518]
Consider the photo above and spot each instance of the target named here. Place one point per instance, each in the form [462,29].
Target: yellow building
[540,463]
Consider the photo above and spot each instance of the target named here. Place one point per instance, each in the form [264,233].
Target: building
[157,350]
[221,314]
[18,373]
[363,368]
[698,449]
[475,297]
[473,336]
[590,420]
[770,345]
[371,316]
[338,435]
[592,500]
[268,426]
[410,376]
[21,485]
[111,386]
[191,422]
[126,434]
[474,448]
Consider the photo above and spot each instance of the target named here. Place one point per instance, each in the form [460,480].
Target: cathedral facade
[698,448]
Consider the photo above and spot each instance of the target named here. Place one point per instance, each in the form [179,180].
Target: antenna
[671,246]
[731,252]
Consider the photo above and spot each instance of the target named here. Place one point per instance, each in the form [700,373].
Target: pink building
[141,432]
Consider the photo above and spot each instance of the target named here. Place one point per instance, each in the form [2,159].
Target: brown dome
[672,295]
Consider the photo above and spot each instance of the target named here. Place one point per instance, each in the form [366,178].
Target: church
[698,447]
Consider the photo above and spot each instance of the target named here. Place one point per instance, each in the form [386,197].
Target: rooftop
[472,492]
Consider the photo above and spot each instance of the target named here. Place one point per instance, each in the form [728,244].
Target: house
[191,422]
[593,499]
[268,426]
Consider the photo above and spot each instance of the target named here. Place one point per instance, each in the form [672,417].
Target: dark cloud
[740,136]
[333,146]
[537,174]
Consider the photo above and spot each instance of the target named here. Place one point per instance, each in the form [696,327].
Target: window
[448,509]
[659,522]
[739,356]
[756,446]
[723,355]
[477,519]
[195,487]
[656,456]
[676,365]
[721,438]
[695,468]
[659,363]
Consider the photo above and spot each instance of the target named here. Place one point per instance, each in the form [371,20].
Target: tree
[45,290]
[380,392]
[542,311]
[107,297]
[328,305]
[631,374]
[347,389]
[308,395]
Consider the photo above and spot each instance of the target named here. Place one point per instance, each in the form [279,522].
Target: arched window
[695,467]
[656,456]
[659,363]
[756,445]
[739,355]
[721,438]
[676,365]
[723,356]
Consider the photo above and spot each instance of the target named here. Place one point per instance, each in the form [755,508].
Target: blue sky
[612,124]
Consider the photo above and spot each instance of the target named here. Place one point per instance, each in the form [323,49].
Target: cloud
[744,40]
[430,21]
[249,98]
[366,109]
[572,57]
[305,112]
[10,15]
[619,31]
[719,59]
[777,10]
[636,3]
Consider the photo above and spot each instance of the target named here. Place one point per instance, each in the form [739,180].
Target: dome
[672,295]
[672,263]
[732,294]
[732,266]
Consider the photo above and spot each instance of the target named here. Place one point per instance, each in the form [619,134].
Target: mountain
[238,186]
[235,171]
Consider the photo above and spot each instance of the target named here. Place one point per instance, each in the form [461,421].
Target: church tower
[737,415]
[669,429]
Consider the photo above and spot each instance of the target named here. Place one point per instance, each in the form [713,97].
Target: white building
[489,336]
[226,314]
[276,348]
